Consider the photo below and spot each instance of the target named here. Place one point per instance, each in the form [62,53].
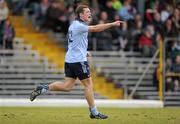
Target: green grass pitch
[65,115]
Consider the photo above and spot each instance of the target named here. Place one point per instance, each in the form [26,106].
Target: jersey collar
[80,20]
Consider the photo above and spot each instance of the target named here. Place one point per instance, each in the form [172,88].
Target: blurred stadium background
[140,60]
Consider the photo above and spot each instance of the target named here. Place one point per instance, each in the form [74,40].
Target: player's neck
[80,19]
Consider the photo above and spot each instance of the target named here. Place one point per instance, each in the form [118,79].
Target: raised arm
[102,27]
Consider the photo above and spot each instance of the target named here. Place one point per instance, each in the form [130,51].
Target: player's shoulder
[77,25]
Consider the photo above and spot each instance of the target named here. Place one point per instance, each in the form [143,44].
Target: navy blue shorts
[77,70]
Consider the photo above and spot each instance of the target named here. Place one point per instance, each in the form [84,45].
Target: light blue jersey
[77,42]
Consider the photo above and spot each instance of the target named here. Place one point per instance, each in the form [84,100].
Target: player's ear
[80,15]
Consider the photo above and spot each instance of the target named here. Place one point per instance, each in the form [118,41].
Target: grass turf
[64,115]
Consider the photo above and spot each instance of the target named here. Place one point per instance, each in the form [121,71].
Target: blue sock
[45,88]
[93,110]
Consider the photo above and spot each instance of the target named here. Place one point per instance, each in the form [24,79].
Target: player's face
[86,15]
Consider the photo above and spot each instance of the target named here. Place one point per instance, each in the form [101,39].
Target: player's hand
[89,54]
[118,23]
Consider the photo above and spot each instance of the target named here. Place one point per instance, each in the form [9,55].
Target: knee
[88,85]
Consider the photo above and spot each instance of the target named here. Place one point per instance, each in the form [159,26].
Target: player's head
[2,4]
[83,12]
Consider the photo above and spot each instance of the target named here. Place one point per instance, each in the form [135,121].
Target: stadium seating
[22,71]
[125,69]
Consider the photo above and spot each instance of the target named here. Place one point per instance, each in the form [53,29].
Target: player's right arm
[102,27]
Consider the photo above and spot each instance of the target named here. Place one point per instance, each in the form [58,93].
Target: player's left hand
[89,54]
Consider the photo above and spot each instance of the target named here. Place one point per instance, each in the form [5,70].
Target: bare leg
[88,91]
[56,86]
[60,86]
[89,94]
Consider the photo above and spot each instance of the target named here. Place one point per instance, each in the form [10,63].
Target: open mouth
[89,16]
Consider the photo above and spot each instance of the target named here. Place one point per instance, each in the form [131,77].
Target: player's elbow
[98,30]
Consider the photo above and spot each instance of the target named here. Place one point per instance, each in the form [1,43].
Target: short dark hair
[80,9]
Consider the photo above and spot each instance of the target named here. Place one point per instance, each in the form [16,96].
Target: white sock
[94,110]
[45,89]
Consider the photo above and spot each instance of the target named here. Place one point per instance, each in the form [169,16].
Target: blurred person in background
[104,42]
[165,13]
[56,17]
[176,69]
[19,6]
[176,19]
[41,14]
[175,51]
[109,9]
[33,6]
[9,35]
[4,11]
[137,32]
[157,22]
[125,37]
[146,42]
[173,66]
[173,82]
[169,31]
[128,12]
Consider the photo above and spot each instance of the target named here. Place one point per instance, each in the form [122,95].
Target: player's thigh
[69,82]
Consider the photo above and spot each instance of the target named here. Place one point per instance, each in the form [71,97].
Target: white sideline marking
[82,103]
